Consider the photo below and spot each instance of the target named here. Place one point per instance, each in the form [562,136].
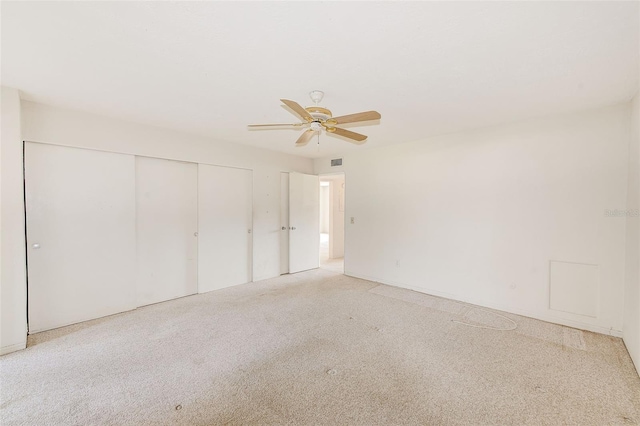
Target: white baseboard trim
[13,348]
[635,360]
[497,306]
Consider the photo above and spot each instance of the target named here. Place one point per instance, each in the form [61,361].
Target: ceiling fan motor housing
[319,113]
[316,111]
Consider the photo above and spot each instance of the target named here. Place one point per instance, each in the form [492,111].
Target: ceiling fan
[318,118]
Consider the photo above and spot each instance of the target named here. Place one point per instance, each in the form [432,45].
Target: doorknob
[284,228]
[36,246]
[293,228]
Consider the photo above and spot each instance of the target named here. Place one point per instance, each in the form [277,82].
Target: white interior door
[80,233]
[166,225]
[284,223]
[304,218]
[225,220]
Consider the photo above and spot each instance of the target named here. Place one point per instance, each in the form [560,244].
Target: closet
[109,232]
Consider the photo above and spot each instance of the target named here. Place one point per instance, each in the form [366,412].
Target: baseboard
[102,315]
[634,357]
[264,277]
[497,306]
[13,348]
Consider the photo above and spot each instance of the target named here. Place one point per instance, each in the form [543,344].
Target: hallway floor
[335,265]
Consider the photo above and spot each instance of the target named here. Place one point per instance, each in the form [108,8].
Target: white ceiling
[429,68]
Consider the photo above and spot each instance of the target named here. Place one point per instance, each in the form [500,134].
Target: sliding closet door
[80,233]
[225,221]
[166,225]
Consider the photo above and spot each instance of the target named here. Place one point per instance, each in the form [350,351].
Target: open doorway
[332,190]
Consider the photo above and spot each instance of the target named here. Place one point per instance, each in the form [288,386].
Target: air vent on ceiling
[336,162]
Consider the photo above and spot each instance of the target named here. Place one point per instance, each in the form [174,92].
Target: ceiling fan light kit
[319,118]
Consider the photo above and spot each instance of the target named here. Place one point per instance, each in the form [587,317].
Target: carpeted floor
[318,348]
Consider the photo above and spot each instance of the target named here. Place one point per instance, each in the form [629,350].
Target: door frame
[344,175]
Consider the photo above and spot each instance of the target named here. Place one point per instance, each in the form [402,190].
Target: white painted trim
[535,315]
[13,348]
[86,320]
[633,361]
[137,155]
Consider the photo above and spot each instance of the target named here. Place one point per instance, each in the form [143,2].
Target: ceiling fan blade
[357,137]
[305,137]
[303,113]
[352,118]
[277,125]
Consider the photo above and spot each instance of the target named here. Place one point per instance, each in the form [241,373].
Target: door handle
[293,228]
[284,228]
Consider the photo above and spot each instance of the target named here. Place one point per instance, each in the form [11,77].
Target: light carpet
[318,348]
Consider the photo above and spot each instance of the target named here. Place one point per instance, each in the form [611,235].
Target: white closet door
[225,221]
[304,217]
[166,225]
[80,234]
[284,223]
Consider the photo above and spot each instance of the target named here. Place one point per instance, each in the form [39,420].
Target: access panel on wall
[225,225]
[80,207]
[167,229]
[304,220]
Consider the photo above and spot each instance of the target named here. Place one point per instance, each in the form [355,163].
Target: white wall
[13,286]
[477,216]
[53,125]
[632,288]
